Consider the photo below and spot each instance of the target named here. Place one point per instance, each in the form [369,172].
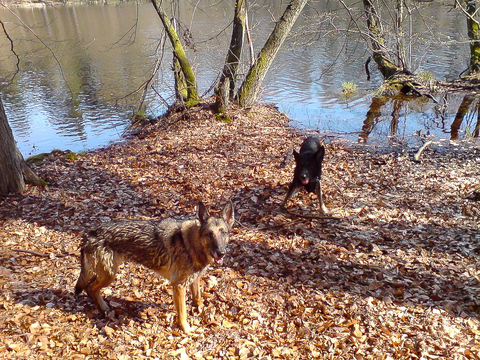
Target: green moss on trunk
[473,35]
[181,57]
[250,88]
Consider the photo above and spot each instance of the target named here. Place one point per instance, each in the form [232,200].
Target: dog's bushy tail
[81,282]
[85,279]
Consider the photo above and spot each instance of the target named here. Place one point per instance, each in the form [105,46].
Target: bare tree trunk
[14,172]
[225,89]
[400,34]
[473,35]
[248,92]
[380,54]
[180,56]
[11,176]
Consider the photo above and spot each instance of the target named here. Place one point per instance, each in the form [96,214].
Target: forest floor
[392,273]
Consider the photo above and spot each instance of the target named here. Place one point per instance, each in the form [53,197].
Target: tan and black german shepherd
[179,251]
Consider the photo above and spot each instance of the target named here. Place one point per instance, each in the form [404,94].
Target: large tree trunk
[225,89]
[380,53]
[248,92]
[473,35]
[181,57]
[14,172]
[11,176]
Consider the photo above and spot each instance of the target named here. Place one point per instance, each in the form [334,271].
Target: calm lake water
[107,52]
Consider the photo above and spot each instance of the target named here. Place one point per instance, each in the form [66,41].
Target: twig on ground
[31,252]
[416,157]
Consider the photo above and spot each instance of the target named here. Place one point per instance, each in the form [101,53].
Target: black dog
[308,170]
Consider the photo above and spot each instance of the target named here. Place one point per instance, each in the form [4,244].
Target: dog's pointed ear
[296,155]
[228,214]
[320,153]
[202,212]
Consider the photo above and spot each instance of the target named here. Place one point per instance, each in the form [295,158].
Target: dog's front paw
[186,328]
[197,307]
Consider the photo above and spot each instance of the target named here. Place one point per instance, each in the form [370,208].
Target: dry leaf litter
[391,273]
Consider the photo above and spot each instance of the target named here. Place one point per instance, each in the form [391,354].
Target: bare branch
[31,252]
[249,41]
[131,33]
[467,14]
[44,44]
[144,86]
[12,49]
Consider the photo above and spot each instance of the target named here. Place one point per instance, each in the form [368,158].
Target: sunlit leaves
[392,274]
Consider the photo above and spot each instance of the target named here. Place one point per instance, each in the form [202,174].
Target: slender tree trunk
[226,86]
[400,34]
[248,92]
[180,56]
[14,172]
[380,54]
[473,35]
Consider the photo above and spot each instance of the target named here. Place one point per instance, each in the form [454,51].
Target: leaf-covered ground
[392,273]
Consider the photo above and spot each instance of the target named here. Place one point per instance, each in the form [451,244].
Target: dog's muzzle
[304,179]
[218,256]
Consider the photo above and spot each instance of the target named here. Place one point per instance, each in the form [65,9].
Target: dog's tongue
[305,181]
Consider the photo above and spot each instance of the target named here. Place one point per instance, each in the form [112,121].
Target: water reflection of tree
[374,113]
[469,102]
[371,119]
[470,105]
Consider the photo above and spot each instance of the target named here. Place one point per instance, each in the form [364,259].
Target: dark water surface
[106,52]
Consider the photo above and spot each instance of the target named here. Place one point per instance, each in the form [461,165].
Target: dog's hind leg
[93,290]
[104,272]
[196,294]
[180,306]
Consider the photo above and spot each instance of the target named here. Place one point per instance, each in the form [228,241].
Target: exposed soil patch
[392,273]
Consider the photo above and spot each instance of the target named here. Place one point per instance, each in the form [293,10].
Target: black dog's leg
[319,193]
[292,190]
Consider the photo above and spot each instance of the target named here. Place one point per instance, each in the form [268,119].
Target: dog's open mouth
[218,258]
[305,181]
